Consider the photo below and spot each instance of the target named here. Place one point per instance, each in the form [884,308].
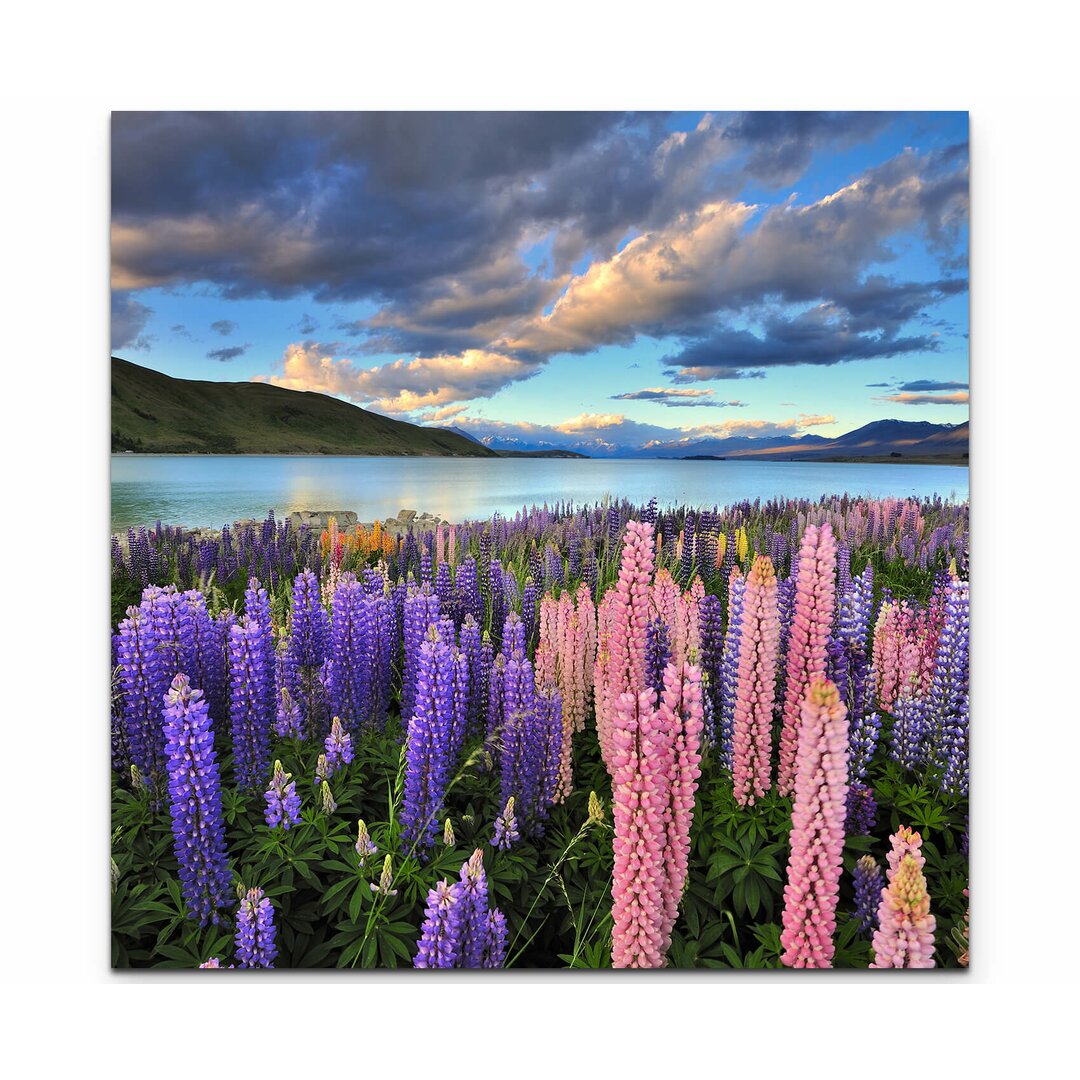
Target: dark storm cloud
[224,327]
[782,143]
[231,353]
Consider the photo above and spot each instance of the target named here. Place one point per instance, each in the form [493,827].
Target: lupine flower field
[611,736]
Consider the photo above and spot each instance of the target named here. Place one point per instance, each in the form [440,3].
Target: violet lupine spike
[195,802]
[811,626]
[863,733]
[282,801]
[338,746]
[506,830]
[494,955]
[949,693]
[307,649]
[729,669]
[861,807]
[440,932]
[144,681]
[428,745]
[759,640]
[817,829]
[712,653]
[472,647]
[910,730]
[249,676]
[350,675]
[256,933]
[289,723]
[207,656]
[868,884]
[421,610]
[657,653]
[474,910]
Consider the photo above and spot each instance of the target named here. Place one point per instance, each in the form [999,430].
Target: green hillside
[153,413]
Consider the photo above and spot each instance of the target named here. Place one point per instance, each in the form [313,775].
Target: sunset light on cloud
[513,275]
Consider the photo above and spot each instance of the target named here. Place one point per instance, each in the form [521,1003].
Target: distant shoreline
[523,455]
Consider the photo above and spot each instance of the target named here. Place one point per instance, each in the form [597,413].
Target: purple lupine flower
[513,635]
[143,681]
[473,901]
[427,763]
[467,590]
[380,647]
[729,670]
[712,652]
[307,650]
[861,811]
[910,729]
[440,933]
[282,801]
[459,715]
[338,745]
[421,610]
[530,602]
[444,590]
[506,830]
[473,649]
[289,724]
[195,801]
[494,955]
[868,886]
[350,674]
[863,735]
[949,693]
[657,653]
[249,676]
[255,931]
[207,656]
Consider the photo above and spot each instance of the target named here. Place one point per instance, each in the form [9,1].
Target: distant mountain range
[154,413]
[885,439]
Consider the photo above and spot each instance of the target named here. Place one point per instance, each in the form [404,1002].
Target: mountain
[153,413]
[889,440]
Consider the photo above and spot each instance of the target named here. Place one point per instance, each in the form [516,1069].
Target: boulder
[406,515]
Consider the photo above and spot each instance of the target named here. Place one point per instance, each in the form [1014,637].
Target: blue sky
[593,281]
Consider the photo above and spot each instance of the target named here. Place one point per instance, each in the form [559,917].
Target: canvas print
[539,540]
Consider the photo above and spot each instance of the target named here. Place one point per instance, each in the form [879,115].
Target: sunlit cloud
[959,398]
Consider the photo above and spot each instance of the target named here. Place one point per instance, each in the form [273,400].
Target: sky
[603,282]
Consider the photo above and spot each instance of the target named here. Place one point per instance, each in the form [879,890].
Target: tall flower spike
[251,706]
[905,934]
[807,651]
[817,830]
[440,933]
[255,931]
[758,643]
[195,802]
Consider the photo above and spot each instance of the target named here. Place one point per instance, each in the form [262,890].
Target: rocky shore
[317,520]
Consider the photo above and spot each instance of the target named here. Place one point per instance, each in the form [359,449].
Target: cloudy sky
[602,282]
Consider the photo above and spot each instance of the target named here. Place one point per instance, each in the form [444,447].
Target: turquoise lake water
[211,490]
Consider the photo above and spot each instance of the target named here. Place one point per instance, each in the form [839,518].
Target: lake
[211,490]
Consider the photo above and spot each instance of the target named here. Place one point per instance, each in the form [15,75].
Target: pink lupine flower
[905,934]
[639,801]
[440,541]
[815,598]
[628,614]
[905,841]
[817,829]
[682,713]
[756,688]
[656,757]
